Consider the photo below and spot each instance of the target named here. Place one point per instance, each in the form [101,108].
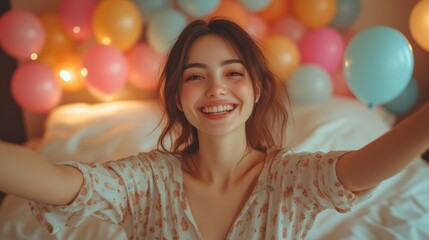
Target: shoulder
[158,157]
[152,161]
[159,161]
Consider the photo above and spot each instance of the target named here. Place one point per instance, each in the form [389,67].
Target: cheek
[244,90]
[187,95]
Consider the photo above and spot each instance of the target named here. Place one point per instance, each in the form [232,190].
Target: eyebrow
[223,63]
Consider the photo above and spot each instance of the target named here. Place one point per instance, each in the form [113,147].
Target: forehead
[211,48]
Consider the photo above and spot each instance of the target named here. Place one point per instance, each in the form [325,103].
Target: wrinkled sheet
[398,208]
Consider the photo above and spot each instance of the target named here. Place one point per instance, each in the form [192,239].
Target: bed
[398,208]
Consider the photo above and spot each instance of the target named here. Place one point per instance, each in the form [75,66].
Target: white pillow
[101,132]
[109,131]
[339,124]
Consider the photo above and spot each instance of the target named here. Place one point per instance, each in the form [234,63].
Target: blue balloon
[378,64]
[149,7]
[309,84]
[347,13]
[198,8]
[406,100]
[164,28]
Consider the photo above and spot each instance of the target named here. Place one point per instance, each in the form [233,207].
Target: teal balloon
[378,64]
[255,5]
[406,100]
[309,84]
[198,8]
[149,7]
[346,14]
[164,28]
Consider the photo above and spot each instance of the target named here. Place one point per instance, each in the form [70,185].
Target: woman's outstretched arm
[27,174]
[386,156]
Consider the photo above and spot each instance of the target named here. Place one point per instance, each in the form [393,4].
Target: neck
[222,160]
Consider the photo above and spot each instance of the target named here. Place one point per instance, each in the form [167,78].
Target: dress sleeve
[107,192]
[313,181]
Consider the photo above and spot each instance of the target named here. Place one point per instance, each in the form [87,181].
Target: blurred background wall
[393,13]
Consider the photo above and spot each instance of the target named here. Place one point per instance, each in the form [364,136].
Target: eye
[235,74]
[194,77]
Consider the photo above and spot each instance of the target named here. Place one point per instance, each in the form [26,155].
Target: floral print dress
[145,195]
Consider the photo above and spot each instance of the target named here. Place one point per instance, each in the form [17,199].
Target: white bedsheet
[398,208]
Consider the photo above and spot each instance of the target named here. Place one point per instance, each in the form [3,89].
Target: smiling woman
[204,55]
[227,174]
[214,79]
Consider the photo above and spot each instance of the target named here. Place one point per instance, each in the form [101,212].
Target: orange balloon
[419,23]
[315,13]
[282,54]
[275,10]
[68,71]
[117,22]
[57,40]
[231,10]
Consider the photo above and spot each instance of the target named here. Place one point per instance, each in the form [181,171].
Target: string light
[33,56]
[76,29]
[65,75]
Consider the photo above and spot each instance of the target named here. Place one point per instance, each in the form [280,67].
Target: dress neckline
[186,207]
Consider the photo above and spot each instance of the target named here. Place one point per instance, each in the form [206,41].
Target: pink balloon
[256,26]
[76,16]
[340,87]
[144,67]
[21,34]
[107,68]
[289,27]
[322,46]
[35,88]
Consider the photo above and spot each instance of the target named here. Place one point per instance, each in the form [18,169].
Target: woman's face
[217,95]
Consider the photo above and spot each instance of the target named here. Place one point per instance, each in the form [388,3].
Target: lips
[218,109]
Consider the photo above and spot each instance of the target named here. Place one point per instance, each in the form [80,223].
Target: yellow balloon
[419,23]
[57,40]
[275,10]
[315,13]
[282,54]
[118,23]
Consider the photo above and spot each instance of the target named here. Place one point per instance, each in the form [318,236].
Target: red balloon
[144,66]
[289,27]
[107,68]
[35,88]
[21,34]
[76,16]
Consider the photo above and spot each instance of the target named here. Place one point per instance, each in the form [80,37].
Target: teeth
[218,109]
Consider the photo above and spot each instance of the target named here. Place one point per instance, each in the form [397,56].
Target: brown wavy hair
[266,125]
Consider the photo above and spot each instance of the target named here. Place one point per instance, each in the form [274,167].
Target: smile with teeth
[218,109]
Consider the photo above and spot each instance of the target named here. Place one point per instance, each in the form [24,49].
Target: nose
[215,89]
